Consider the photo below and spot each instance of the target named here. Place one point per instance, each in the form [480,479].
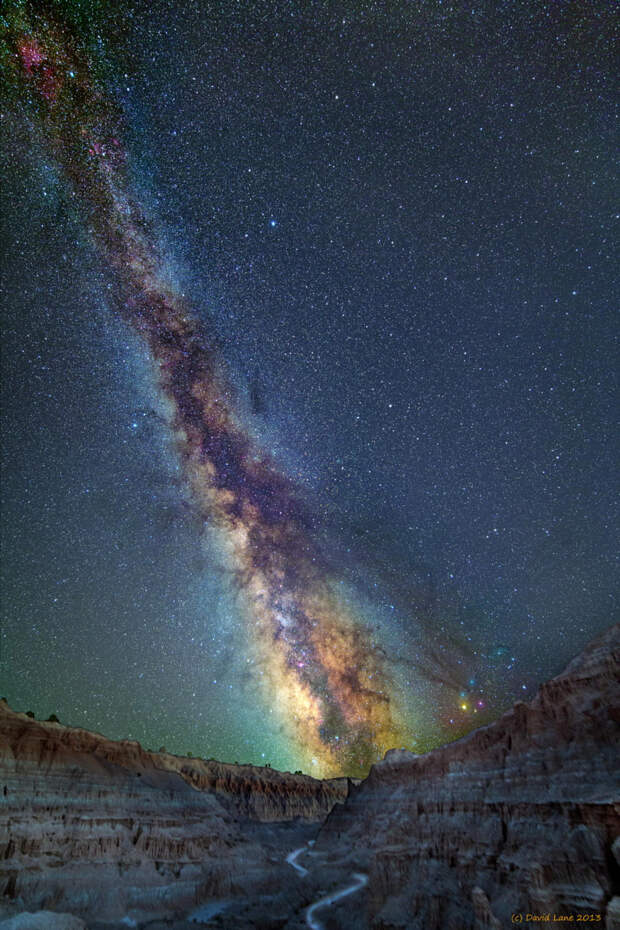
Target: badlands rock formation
[519,817]
[106,830]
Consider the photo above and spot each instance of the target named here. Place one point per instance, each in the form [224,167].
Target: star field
[397,230]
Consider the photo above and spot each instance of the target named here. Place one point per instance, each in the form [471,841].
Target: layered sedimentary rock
[519,818]
[106,829]
[254,792]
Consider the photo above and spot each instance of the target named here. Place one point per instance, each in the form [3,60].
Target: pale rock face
[520,816]
[43,920]
[613,914]
[483,916]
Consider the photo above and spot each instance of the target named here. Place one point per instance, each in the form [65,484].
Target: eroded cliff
[106,829]
[519,817]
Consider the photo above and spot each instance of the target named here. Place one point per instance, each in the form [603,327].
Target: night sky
[366,495]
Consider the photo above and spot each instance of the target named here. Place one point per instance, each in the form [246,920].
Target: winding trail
[292,857]
[359,881]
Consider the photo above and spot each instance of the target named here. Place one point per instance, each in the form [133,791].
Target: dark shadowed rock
[520,816]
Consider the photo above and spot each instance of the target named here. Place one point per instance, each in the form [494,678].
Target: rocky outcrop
[254,792]
[519,817]
[262,794]
[108,830]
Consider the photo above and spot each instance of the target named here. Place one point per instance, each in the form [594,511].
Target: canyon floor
[517,822]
